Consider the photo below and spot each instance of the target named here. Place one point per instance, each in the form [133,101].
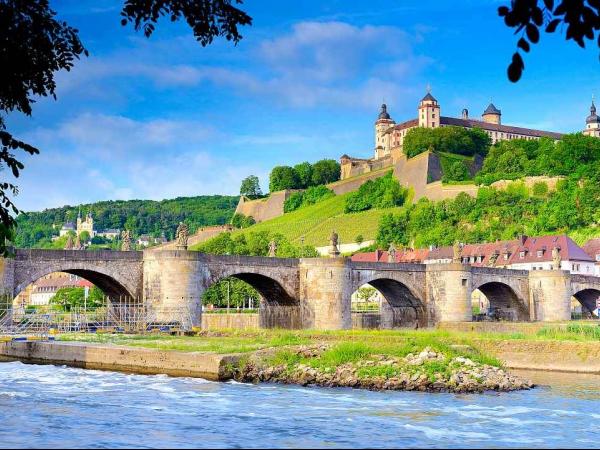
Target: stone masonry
[310,292]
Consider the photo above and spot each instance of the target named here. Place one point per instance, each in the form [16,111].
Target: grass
[316,222]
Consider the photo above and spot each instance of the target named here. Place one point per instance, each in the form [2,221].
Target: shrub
[312,195]
[384,192]
[242,221]
[540,189]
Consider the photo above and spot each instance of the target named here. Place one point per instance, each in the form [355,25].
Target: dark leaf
[523,44]
[532,33]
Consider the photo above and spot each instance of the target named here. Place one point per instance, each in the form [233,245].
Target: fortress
[389,136]
[422,173]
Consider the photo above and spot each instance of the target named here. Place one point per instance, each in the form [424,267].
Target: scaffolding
[123,315]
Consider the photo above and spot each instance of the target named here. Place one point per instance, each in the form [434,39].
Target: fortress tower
[382,124]
[429,112]
[492,115]
[592,123]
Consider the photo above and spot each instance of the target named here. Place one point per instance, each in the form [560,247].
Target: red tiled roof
[569,251]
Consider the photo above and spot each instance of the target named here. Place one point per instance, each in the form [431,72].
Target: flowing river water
[48,406]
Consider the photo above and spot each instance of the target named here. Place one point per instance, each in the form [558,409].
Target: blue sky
[164,117]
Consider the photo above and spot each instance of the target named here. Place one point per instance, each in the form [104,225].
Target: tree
[325,171]
[581,18]
[304,171]
[69,298]
[283,177]
[457,171]
[35,46]
[84,237]
[251,187]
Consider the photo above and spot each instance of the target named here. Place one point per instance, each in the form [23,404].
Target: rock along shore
[427,371]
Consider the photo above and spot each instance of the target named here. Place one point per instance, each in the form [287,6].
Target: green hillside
[316,223]
[35,229]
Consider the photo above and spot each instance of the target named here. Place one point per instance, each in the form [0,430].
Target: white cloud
[315,64]
[93,157]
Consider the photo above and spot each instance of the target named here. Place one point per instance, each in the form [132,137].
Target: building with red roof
[525,253]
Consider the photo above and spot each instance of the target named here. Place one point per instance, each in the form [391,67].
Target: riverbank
[426,360]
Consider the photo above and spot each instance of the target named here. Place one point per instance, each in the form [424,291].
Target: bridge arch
[588,297]
[108,283]
[276,284]
[505,301]
[401,306]
[117,274]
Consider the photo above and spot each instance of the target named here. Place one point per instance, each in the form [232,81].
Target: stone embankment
[427,371]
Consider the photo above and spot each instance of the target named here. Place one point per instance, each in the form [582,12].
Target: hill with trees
[35,229]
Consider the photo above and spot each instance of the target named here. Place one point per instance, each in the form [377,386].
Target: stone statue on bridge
[69,244]
[78,245]
[182,236]
[457,252]
[334,250]
[272,249]
[556,258]
[126,241]
[392,253]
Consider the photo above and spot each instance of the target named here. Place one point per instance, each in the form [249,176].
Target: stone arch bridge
[310,292]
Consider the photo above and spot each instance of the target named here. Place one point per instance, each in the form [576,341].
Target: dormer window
[522,254]
[506,255]
[540,253]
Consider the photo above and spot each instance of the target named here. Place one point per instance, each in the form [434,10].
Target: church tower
[382,124]
[429,111]
[592,123]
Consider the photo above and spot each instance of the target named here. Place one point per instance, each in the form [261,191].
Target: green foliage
[312,195]
[456,140]
[393,228]
[254,244]
[359,239]
[325,171]
[540,189]
[383,192]
[574,155]
[69,298]
[242,221]
[250,187]
[84,237]
[457,171]
[283,177]
[304,175]
[138,216]
[238,291]
[305,172]
[494,214]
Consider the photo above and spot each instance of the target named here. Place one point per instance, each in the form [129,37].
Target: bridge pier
[173,285]
[325,291]
[550,295]
[449,293]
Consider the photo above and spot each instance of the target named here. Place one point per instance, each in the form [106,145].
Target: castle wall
[264,208]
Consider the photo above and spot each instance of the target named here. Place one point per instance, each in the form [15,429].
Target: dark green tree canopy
[283,177]
[456,140]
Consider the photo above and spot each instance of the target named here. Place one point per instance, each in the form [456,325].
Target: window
[521,254]
[540,253]
[506,257]
[598,257]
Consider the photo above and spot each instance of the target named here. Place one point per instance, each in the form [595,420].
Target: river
[48,406]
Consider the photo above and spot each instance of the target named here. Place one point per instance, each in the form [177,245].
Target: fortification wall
[529,182]
[264,208]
